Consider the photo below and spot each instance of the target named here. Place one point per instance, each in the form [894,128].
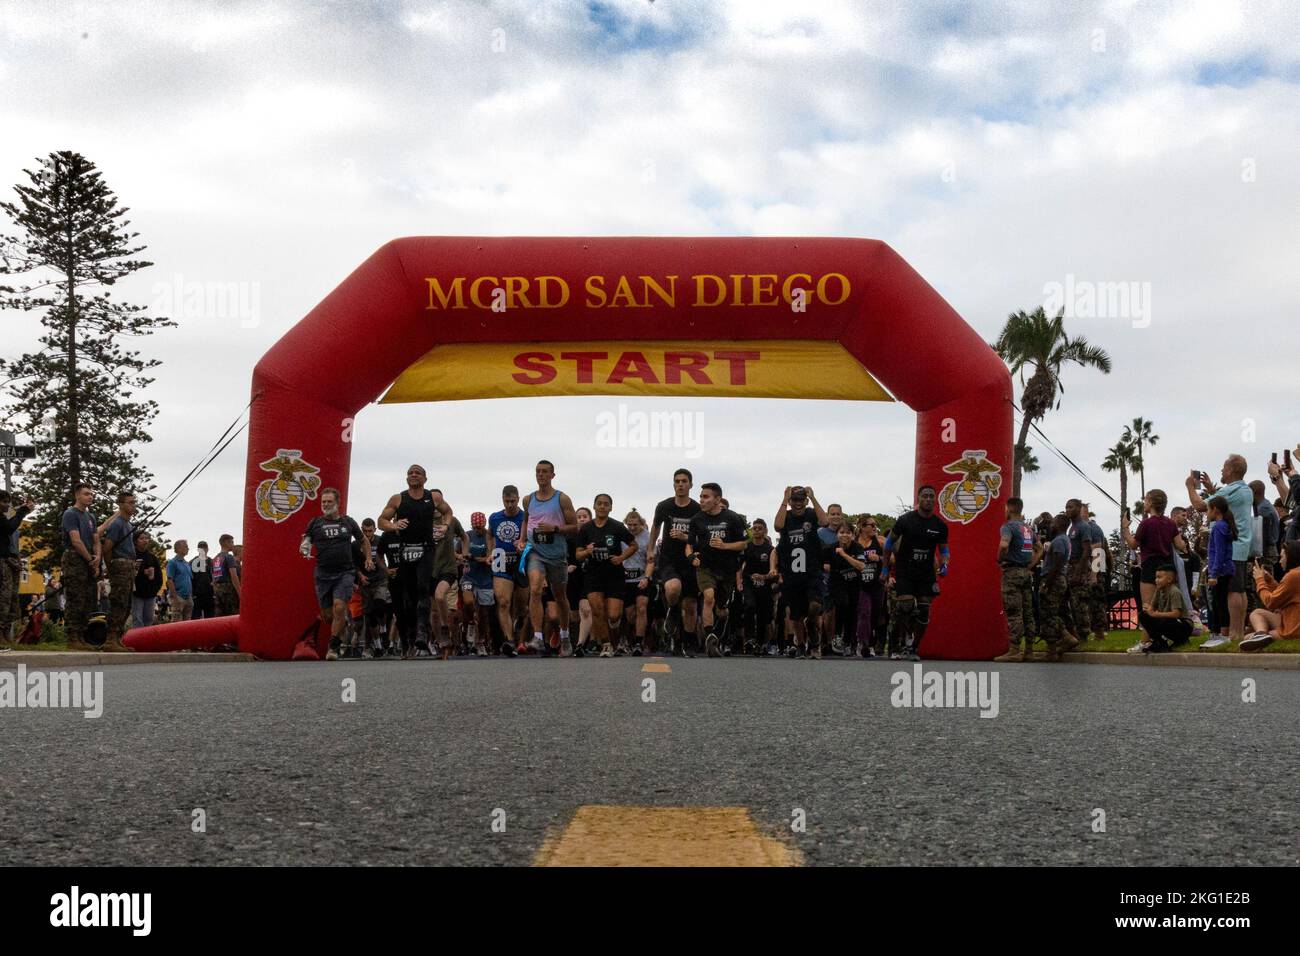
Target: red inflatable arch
[679,316]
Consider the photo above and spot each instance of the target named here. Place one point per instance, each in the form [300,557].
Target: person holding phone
[1240,500]
[1155,540]
[1279,618]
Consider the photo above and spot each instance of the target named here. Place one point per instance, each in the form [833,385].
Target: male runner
[506,543]
[476,589]
[332,535]
[913,541]
[118,534]
[448,537]
[375,595]
[549,518]
[410,514]
[800,559]
[830,539]
[716,539]
[604,544]
[759,574]
[666,560]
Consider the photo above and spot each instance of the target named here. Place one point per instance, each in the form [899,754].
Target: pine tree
[73,243]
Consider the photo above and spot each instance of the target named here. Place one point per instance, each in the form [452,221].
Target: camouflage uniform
[121,585]
[1053,610]
[11,576]
[1083,594]
[227,598]
[80,594]
[1018,601]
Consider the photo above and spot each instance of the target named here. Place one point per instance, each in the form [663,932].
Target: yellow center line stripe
[656,669]
[664,836]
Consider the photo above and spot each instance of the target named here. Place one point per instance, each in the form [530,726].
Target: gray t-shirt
[74,519]
[120,532]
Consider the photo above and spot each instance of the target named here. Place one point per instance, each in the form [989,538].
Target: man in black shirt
[332,534]
[717,536]
[912,542]
[604,544]
[375,595]
[667,559]
[758,573]
[800,560]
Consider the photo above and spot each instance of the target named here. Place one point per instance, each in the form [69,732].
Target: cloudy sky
[998,147]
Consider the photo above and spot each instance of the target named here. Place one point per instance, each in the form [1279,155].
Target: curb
[12,659]
[1267,662]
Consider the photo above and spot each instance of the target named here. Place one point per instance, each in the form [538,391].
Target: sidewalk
[1261,662]
[11,659]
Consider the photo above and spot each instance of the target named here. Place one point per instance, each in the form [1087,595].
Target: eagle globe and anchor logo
[963,501]
[295,482]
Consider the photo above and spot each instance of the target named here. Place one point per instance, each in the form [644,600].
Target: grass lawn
[1123,640]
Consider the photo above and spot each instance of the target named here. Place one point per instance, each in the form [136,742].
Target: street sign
[18,451]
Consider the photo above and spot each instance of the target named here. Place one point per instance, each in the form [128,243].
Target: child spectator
[1219,568]
[1165,617]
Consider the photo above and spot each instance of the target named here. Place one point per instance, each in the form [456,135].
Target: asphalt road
[288,773]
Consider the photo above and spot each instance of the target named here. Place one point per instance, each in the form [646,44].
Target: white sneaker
[1218,640]
[1141,647]
[607,650]
[537,644]
[566,647]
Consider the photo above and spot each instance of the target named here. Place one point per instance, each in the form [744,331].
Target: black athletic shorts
[799,592]
[686,576]
[605,578]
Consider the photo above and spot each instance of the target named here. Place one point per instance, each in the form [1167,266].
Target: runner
[410,514]
[390,546]
[871,584]
[717,537]
[450,545]
[332,534]
[758,575]
[846,565]
[637,588]
[800,559]
[477,598]
[550,520]
[830,539]
[666,560]
[376,599]
[506,543]
[605,544]
[913,542]
[576,591]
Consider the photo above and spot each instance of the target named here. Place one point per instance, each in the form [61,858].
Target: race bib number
[412,553]
[543,537]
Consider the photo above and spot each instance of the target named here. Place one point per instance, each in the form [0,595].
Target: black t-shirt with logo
[844,576]
[333,539]
[725,526]
[873,572]
[609,540]
[673,517]
[916,538]
[758,560]
[800,552]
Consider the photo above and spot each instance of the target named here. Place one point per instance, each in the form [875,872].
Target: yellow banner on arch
[775,369]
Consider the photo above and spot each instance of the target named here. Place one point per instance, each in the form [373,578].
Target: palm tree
[1035,342]
[1137,435]
[1028,461]
[1120,457]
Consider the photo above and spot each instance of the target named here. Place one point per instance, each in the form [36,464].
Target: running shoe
[482,651]
[566,647]
[726,650]
[537,645]
[1218,640]
[711,645]
[507,649]
[579,651]
[837,646]
[817,653]
[636,651]
[607,650]
[1141,647]
[1257,641]
[622,649]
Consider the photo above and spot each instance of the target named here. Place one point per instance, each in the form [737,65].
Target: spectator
[1241,501]
[1287,483]
[117,535]
[80,567]
[53,598]
[1271,524]
[225,577]
[180,583]
[1220,569]
[1155,540]
[11,563]
[205,598]
[148,581]
[1279,619]
[1165,617]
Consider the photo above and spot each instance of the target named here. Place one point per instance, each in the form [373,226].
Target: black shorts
[632,590]
[1237,584]
[603,578]
[449,576]
[686,575]
[799,593]
[1148,570]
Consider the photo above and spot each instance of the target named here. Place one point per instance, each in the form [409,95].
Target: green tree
[1139,435]
[1121,457]
[1033,343]
[73,243]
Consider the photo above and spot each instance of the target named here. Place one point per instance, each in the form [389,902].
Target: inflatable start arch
[497,317]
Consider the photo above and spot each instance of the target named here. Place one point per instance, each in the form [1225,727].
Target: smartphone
[1275,458]
[1286,458]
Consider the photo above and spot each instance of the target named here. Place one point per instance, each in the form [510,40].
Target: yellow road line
[656,668]
[664,836]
